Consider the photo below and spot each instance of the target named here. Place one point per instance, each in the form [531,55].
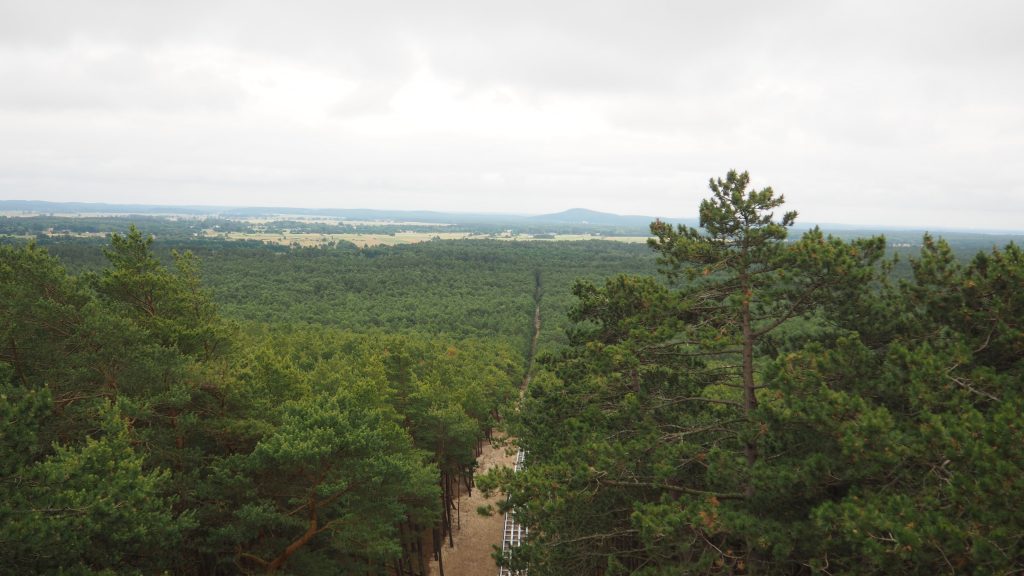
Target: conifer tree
[659,398]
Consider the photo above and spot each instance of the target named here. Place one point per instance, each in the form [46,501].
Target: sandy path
[471,555]
[478,535]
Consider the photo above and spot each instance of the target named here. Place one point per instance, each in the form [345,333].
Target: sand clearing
[474,542]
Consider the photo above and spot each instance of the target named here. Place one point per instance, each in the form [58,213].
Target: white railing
[514,532]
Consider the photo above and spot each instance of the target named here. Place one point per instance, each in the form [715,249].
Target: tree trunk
[749,389]
[292,548]
[749,406]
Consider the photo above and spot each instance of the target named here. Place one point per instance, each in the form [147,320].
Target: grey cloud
[116,79]
[855,110]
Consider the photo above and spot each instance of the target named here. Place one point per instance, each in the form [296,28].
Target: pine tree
[654,432]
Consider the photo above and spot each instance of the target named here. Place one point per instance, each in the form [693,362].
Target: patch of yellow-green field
[629,239]
[53,234]
[50,233]
[288,238]
[260,220]
[568,238]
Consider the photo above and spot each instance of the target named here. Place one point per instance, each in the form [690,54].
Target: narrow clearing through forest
[475,536]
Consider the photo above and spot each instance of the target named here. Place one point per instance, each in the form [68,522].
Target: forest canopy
[143,432]
[733,398]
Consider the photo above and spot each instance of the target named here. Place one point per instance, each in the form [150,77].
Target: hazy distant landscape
[250,220]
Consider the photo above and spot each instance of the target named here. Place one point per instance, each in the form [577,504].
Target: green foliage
[778,407]
[772,405]
[170,305]
[920,434]
[336,476]
[465,289]
[135,419]
[82,509]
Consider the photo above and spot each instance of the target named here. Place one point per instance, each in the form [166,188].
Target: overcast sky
[892,112]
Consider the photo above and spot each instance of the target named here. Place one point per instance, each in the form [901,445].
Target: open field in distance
[308,240]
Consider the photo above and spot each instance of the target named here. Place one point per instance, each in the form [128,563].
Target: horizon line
[215,209]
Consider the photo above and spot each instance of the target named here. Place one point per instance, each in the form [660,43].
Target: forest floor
[474,541]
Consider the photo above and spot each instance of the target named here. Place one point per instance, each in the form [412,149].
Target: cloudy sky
[895,113]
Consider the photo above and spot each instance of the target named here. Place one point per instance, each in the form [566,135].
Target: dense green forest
[465,288]
[307,410]
[733,399]
[144,432]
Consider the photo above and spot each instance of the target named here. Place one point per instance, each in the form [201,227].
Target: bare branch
[673,488]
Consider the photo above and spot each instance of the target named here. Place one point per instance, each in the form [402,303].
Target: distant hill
[592,217]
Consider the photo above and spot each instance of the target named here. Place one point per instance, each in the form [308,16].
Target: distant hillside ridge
[585,216]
